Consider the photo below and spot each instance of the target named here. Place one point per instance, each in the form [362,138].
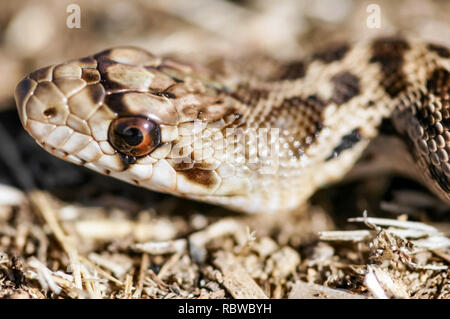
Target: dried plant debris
[405,260]
[304,290]
[45,253]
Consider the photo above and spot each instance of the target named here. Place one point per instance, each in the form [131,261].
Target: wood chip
[236,279]
[101,272]
[304,290]
[219,294]
[351,235]
[109,229]
[163,247]
[44,276]
[283,263]
[433,242]
[118,266]
[382,285]
[102,229]
[442,254]
[227,226]
[394,223]
[265,246]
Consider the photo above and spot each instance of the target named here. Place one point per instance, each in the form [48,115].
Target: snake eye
[134,136]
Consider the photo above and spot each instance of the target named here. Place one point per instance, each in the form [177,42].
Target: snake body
[251,141]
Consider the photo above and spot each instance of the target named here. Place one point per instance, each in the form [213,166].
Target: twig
[145,262]
[236,279]
[42,203]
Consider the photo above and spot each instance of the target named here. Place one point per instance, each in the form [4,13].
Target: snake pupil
[132,136]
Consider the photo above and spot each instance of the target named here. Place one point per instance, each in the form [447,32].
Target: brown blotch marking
[441,50]
[91,76]
[249,96]
[96,93]
[43,74]
[50,112]
[202,165]
[421,112]
[107,172]
[87,62]
[310,111]
[293,70]
[182,165]
[432,110]
[334,52]
[199,176]
[164,93]
[389,54]
[22,89]
[386,127]
[347,142]
[346,87]
[136,181]
[116,104]
[103,54]
[312,101]
[103,64]
[438,84]
[439,176]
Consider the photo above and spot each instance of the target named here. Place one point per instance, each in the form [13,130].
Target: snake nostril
[50,112]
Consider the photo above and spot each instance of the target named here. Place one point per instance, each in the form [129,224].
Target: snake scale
[250,141]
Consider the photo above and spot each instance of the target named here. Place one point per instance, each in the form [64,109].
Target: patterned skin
[253,144]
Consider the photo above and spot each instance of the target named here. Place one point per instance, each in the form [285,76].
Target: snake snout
[23,90]
[58,100]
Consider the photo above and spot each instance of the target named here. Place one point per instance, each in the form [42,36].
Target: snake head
[150,121]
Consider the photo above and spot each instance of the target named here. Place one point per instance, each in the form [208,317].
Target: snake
[252,137]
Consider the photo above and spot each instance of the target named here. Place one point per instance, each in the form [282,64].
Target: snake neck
[328,108]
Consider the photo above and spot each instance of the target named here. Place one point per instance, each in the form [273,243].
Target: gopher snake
[252,143]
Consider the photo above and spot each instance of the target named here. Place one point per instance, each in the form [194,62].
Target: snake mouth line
[63,154]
